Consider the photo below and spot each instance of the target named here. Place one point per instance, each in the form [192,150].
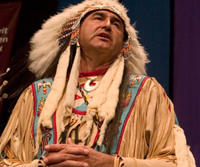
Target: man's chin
[103,49]
[103,46]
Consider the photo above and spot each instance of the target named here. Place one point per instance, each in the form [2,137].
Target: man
[97,108]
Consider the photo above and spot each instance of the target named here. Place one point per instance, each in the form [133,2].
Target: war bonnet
[63,29]
[45,43]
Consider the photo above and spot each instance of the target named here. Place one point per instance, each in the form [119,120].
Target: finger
[75,150]
[59,158]
[69,141]
[70,164]
[54,147]
[71,149]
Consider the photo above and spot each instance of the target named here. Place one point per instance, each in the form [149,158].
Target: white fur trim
[105,99]
[44,44]
[107,110]
[182,150]
[56,90]
[73,81]
[54,96]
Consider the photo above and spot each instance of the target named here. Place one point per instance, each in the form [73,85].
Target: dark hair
[18,78]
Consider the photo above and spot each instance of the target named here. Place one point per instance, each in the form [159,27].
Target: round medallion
[88,87]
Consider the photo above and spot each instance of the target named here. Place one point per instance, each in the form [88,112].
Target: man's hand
[72,155]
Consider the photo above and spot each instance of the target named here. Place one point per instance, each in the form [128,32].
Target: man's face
[102,31]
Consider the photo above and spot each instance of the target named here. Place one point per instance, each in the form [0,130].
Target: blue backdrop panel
[153,23]
[65,3]
[152,20]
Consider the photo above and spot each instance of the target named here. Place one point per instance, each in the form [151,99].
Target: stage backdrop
[186,81]
[9,13]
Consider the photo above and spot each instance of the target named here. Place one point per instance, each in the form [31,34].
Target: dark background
[169,30]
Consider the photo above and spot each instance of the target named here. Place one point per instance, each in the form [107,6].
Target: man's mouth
[105,36]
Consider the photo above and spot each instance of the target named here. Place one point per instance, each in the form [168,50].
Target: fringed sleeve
[148,139]
[16,142]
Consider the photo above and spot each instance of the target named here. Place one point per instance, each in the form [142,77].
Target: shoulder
[146,86]
[42,83]
[41,88]
[144,81]
[36,86]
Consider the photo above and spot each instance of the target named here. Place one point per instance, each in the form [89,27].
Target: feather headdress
[45,45]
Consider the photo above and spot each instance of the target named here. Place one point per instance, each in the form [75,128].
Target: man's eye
[116,24]
[97,18]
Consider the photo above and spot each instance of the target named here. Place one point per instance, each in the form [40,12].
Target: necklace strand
[83,95]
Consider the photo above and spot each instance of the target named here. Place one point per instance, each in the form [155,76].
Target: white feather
[44,44]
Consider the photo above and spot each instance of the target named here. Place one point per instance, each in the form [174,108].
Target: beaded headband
[73,27]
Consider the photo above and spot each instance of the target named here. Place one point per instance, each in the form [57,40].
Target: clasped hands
[72,155]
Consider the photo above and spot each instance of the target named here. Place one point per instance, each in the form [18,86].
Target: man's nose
[107,24]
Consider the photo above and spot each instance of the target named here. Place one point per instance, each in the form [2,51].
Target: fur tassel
[183,154]
[56,90]
[53,97]
[101,105]
[108,108]
[73,81]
